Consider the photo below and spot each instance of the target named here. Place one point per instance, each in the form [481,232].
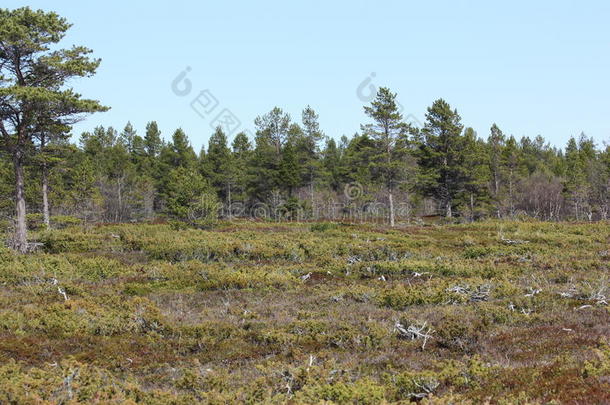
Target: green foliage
[441,155]
[36,104]
[323,226]
[123,177]
[197,310]
[601,365]
[306,313]
[188,196]
[35,221]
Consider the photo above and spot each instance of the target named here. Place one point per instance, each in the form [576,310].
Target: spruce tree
[495,143]
[513,169]
[477,169]
[152,140]
[221,165]
[241,154]
[331,165]
[288,170]
[178,152]
[441,156]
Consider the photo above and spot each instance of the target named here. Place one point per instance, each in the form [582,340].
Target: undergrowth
[246,312]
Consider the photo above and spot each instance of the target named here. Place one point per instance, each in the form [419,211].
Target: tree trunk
[20,242]
[45,197]
[448,212]
[117,216]
[45,183]
[229,200]
[391,200]
[313,210]
[471,207]
[510,194]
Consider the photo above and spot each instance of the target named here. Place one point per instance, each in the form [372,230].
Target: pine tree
[273,131]
[51,141]
[308,151]
[7,185]
[33,93]
[385,131]
[274,127]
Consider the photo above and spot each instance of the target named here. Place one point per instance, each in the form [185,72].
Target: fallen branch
[414,332]
[533,291]
[427,387]
[597,295]
[513,241]
[478,294]
[60,290]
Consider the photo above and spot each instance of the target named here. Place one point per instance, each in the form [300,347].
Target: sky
[532,67]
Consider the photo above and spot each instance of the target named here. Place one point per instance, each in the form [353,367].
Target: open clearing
[505,312]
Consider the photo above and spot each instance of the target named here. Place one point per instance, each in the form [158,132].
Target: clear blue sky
[533,67]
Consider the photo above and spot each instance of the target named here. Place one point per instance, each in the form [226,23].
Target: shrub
[323,226]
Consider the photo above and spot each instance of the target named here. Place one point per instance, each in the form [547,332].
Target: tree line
[388,171]
[296,172]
